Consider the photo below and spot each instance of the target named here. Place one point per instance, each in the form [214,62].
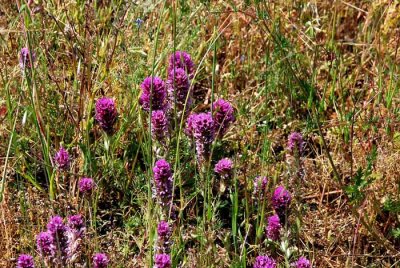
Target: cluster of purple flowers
[203,127]
[162,261]
[86,186]
[178,86]
[100,260]
[280,201]
[159,125]
[264,262]
[61,159]
[61,244]
[223,116]
[224,167]
[163,182]
[163,243]
[295,144]
[274,228]
[154,94]
[106,114]
[302,262]
[25,261]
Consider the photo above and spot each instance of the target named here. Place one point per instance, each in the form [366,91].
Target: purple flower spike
[302,262]
[62,159]
[178,89]
[224,167]
[264,262]
[280,201]
[260,186]
[106,114]
[45,244]
[223,116]
[162,261]
[163,230]
[25,261]
[296,144]
[274,228]
[58,230]
[100,260]
[86,185]
[25,60]
[163,181]
[181,59]
[76,222]
[189,125]
[159,125]
[75,232]
[159,97]
[203,133]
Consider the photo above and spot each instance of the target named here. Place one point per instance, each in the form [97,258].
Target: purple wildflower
[163,230]
[224,167]
[280,201]
[58,230]
[181,59]
[75,232]
[106,114]
[189,125]
[25,60]
[163,181]
[62,159]
[162,261]
[178,86]
[302,262]
[296,143]
[203,133]
[45,244]
[100,260]
[158,100]
[159,125]
[274,228]
[260,185]
[223,116]
[76,222]
[86,185]
[25,261]
[264,262]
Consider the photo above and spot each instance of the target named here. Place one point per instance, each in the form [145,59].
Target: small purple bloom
[159,125]
[25,60]
[163,230]
[163,181]
[189,125]
[58,230]
[106,114]
[302,262]
[296,143]
[75,232]
[45,244]
[162,261]
[154,91]
[181,59]
[178,86]
[280,201]
[223,116]
[138,22]
[224,167]
[274,228]
[25,261]
[203,133]
[62,159]
[86,185]
[100,260]
[264,262]
[260,185]
[76,222]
